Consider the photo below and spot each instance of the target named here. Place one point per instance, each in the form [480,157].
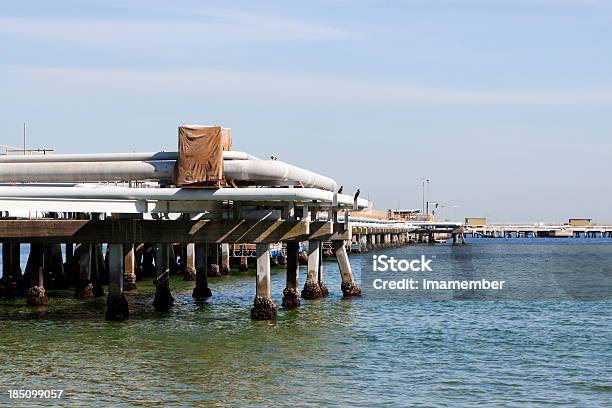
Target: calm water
[335,351]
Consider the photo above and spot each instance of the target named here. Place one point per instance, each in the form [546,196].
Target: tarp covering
[200,154]
[226,135]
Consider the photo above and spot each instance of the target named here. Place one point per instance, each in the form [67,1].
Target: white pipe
[180,194]
[265,172]
[85,171]
[112,157]
[276,171]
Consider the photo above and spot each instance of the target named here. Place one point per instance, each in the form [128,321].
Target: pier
[189,210]
[574,228]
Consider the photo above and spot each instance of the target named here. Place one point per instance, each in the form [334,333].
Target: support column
[11,269]
[349,287]
[35,296]
[201,290]
[60,280]
[215,271]
[190,262]
[163,298]
[312,290]
[225,259]
[99,269]
[363,242]
[322,288]
[116,304]
[291,296]
[148,255]
[129,267]
[263,306]
[84,288]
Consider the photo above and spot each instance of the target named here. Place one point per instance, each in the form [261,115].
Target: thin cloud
[220,26]
[259,86]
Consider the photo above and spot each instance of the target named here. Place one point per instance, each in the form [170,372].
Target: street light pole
[423,181]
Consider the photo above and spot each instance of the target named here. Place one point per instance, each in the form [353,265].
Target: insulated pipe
[262,171]
[180,194]
[85,171]
[277,171]
[113,157]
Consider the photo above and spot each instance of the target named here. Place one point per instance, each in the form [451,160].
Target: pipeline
[180,194]
[112,157]
[239,166]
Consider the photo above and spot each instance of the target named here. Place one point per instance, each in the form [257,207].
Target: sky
[504,105]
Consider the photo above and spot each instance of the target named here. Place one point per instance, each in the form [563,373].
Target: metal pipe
[276,171]
[180,194]
[265,172]
[113,157]
[85,171]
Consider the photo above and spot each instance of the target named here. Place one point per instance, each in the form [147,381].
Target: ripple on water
[334,351]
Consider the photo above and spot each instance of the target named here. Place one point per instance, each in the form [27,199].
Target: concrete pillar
[84,288]
[291,296]
[99,269]
[243,266]
[190,262]
[312,290]
[57,262]
[163,298]
[214,270]
[11,269]
[116,304]
[225,259]
[454,239]
[363,241]
[148,255]
[35,295]
[201,290]
[322,288]
[129,267]
[349,287]
[263,306]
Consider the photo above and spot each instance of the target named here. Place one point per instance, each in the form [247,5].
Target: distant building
[580,222]
[476,221]
[404,214]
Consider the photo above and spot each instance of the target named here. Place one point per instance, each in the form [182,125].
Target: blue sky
[505,105]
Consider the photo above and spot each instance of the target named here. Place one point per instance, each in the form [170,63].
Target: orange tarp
[200,154]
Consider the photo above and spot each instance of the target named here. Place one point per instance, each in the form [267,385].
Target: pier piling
[84,288]
[225,259]
[312,290]
[201,290]
[116,304]
[190,263]
[11,270]
[163,300]
[35,295]
[291,296]
[129,267]
[349,287]
[263,306]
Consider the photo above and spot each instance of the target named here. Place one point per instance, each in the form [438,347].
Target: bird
[357,194]
[340,191]
[273,158]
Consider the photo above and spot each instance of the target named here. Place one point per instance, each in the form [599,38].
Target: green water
[334,351]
